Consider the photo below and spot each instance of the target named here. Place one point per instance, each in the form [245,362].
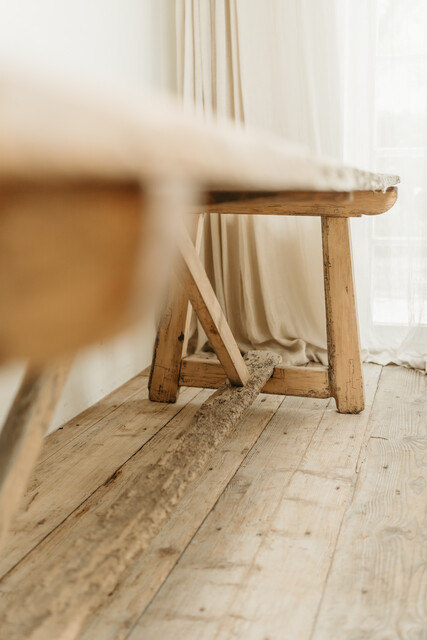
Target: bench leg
[22,434]
[345,367]
[172,334]
[168,349]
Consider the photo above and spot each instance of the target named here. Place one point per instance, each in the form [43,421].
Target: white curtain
[348,79]
[386,128]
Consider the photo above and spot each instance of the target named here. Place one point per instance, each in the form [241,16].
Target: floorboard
[257,566]
[120,613]
[377,587]
[66,476]
[306,524]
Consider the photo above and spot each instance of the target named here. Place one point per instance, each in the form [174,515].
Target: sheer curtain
[386,128]
[322,73]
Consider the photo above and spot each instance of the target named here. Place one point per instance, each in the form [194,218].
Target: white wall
[107,42]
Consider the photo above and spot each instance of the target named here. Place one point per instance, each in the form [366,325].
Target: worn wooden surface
[260,560]
[22,434]
[203,370]
[345,364]
[205,304]
[51,498]
[301,203]
[195,225]
[297,499]
[172,333]
[168,347]
[94,562]
[118,614]
[84,421]
[383,537]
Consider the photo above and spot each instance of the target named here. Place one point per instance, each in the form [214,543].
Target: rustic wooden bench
[344,378]
[84,184]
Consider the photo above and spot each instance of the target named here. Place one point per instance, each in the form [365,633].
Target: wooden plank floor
[306,524]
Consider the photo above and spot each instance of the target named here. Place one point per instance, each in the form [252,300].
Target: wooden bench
[344,379]
[84,179]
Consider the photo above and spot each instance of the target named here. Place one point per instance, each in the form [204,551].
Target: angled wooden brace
[193,284]
[208,310]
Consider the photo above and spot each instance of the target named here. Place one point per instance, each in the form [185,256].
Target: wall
[106,42]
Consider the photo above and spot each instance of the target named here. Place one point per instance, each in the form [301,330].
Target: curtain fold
[386,128]
[307,71]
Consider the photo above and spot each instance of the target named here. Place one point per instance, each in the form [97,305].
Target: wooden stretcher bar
[199,371]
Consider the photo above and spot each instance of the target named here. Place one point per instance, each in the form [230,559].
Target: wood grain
[258,564]
[145,576]
[301,203]
[345,364]
[168,348]
[93,561]
[172,333]
[320,497]
[195,226]
[55,490]
[209,312]
[200,371]
[383,537]
[88,418]
[85,532]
